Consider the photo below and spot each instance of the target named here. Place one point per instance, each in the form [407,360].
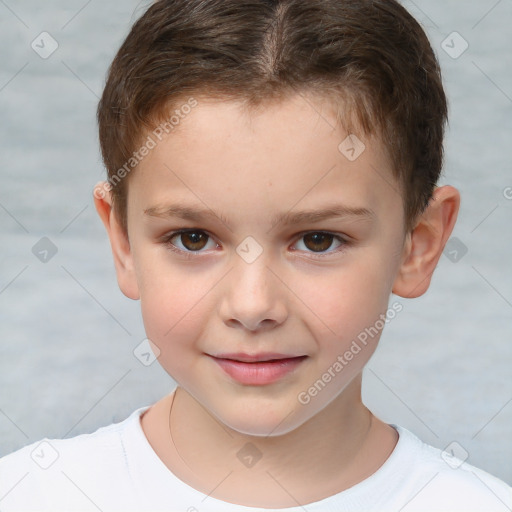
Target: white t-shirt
[116,469]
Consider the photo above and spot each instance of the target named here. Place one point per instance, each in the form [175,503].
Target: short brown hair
[370,57]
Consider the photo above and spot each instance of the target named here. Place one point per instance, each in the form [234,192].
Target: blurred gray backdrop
[443,368]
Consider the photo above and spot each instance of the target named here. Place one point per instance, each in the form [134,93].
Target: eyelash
[194,254]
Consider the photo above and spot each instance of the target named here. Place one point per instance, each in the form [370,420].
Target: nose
[253,297]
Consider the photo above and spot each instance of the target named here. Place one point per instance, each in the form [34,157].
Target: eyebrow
[194,214]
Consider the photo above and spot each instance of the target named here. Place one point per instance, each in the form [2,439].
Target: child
[272,180]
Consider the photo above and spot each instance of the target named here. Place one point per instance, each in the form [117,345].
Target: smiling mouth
[258,369]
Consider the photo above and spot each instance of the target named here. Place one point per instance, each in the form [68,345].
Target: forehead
[283,154]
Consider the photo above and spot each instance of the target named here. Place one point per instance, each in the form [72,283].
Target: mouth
[257,369]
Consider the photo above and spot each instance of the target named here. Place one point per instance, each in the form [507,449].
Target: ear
[123,259]
[425,243]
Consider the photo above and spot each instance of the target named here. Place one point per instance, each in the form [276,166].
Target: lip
[258,369]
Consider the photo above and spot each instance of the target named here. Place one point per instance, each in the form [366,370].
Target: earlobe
[121,251]
[425,244]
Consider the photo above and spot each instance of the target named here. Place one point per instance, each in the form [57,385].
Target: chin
[262,422]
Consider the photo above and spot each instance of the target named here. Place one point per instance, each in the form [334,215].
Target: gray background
[68,334]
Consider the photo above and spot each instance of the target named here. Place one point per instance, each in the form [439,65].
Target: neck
[334,450]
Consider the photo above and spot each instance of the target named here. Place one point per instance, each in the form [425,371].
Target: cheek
[174,316]
[346,299]
[173,302]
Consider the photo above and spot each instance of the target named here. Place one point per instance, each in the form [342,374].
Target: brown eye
[318,242]
[192,240]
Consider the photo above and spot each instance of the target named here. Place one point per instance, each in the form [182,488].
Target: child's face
[303,296]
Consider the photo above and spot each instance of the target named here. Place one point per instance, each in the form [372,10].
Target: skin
[249,167]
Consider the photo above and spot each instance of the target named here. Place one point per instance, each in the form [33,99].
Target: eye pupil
[321,241]
[194,240]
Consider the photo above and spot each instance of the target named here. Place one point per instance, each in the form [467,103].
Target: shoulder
[52,472]
[439,480]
